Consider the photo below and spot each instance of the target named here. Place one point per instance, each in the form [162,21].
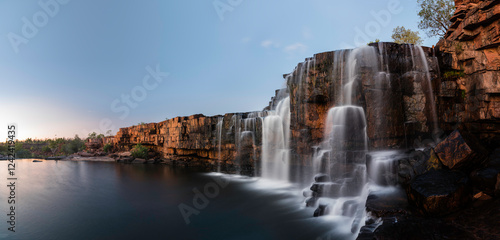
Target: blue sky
[65,66]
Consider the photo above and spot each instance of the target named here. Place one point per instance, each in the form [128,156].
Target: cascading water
[342,154]
[423,62]
[419,70]
[275,142]
[347,170]
[219,127]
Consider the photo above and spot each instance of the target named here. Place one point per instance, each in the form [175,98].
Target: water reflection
[94,200]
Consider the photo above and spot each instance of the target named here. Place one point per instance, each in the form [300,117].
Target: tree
[53,146]
[74,145]
[107,148]
[140,151]
[402,35]
[92,135]
[435,16]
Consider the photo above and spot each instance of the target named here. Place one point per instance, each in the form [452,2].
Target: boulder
[125,154]
[138,161]
[439,192]
[321,210]
[461,151]
[321,178]
[391,204]
[311,202]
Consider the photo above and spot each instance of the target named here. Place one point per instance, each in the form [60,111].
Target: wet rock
[311,202]
[307,193]
[139,161]
[439,192]
[390,204]
[321,210]
[461,151]
[321,178]
[412,165]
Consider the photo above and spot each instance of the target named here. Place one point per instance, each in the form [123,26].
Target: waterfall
[342,153]
[219,127]
[275,142]
[425,65]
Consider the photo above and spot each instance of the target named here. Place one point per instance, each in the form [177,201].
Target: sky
[76,66]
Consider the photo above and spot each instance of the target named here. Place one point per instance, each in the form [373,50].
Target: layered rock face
[198,140]
[469,92]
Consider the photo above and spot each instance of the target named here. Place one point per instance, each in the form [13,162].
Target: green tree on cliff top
[402,35]
[435,16]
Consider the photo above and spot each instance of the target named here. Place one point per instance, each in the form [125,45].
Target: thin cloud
[295,47]
[266,43]
[246,40]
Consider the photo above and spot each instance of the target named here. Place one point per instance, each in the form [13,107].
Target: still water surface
[98,200]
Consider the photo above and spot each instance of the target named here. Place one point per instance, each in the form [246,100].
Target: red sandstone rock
[459,151]
[472,45]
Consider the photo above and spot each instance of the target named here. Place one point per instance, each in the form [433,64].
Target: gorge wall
[409,94]
[471,48]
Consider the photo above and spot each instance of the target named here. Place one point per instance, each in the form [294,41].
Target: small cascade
[423,62]
[381,167]
[244,126]
[275,142]
[219,127]
[420,71]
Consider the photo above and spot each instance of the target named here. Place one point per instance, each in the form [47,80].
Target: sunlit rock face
[229,140]
[471,47]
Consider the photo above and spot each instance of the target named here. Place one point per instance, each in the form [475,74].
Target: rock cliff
[469,89]
[409,95]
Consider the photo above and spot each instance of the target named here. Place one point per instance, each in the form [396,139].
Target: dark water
[95,200]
